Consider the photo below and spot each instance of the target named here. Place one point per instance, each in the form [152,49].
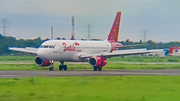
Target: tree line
[6,42]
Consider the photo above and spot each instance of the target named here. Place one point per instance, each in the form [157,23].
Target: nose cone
[39,53]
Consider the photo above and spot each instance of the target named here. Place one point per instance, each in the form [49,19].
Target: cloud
[63,7]
[159,17]
[84,7]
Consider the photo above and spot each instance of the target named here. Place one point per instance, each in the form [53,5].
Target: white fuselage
[70,50]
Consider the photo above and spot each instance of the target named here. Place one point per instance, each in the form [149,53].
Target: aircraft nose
[41,53]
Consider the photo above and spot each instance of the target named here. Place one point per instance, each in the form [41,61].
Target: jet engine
[41,62]
[97,61]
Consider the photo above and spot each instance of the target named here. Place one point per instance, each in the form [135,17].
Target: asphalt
[22,74]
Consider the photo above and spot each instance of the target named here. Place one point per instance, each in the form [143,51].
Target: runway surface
[20,74]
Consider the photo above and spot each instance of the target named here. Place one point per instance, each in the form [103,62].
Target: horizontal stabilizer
[131,45]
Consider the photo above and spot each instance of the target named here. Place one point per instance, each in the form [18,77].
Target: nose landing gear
[61,67]
[52,67]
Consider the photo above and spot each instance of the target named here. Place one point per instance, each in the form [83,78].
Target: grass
[21,67]
[113,59]
[88,67]
[145,59]
[17,58]
[125,66]
[102,88]
[7,63]
[92,88]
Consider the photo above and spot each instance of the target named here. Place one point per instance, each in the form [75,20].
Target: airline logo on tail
[114,33]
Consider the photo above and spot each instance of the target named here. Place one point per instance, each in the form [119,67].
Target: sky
[29,19]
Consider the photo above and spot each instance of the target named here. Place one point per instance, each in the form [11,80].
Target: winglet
[114,33]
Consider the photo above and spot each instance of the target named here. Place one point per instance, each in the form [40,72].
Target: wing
[27,49]
[123,53]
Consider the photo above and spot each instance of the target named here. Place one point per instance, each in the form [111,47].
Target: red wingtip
[114,33]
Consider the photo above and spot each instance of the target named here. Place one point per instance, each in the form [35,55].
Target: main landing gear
[64,67]
[97,68]
[61,67]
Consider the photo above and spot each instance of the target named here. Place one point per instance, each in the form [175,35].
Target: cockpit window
[47,46]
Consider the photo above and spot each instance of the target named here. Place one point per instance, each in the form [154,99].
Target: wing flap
[27,49]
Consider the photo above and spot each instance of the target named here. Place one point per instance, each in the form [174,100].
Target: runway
[21,74]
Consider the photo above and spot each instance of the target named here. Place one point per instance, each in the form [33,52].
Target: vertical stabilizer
[114,33]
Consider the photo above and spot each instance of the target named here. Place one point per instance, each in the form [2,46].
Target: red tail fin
[114,33]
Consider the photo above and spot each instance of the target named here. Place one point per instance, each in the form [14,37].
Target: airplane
[94,52]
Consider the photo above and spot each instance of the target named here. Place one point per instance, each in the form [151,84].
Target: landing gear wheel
[95,68]
[51,68]
[65,67]
[99,68]
[60,67]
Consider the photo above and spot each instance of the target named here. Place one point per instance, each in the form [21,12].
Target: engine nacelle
[41,62]
[97,61]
